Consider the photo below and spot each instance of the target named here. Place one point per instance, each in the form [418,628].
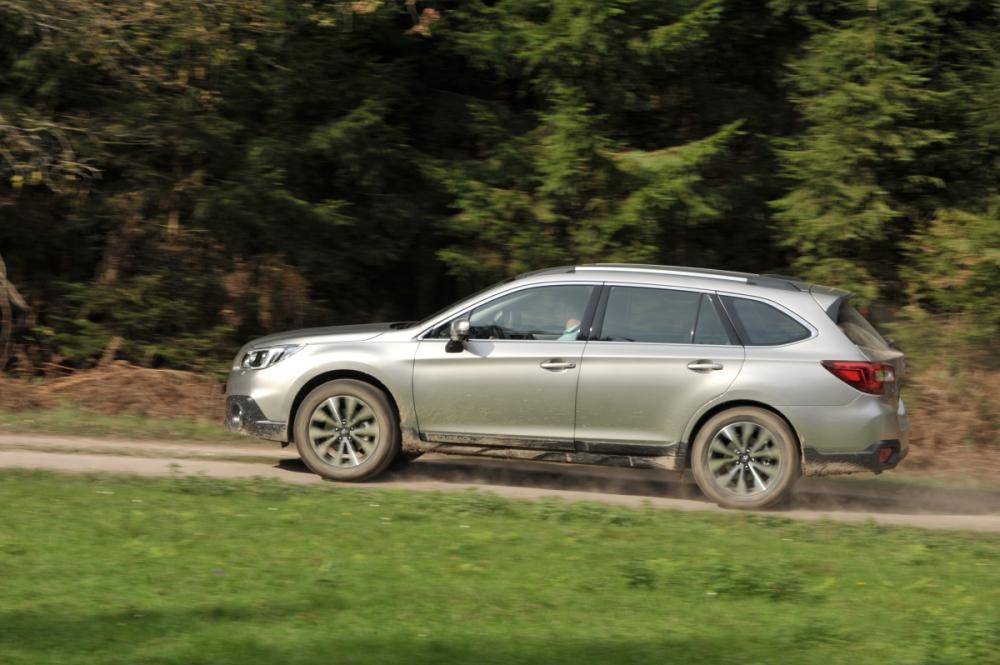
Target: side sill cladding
[412,441]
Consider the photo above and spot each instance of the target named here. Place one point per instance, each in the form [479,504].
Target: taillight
[868,377]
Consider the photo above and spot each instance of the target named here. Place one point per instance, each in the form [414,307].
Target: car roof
[709,277]
[724,281]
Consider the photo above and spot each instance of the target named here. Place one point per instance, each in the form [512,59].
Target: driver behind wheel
[568,312]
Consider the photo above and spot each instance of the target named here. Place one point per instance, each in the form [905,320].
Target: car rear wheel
[346,430]
[745,458]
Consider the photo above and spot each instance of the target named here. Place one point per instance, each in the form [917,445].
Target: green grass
[70,419]
[191,570]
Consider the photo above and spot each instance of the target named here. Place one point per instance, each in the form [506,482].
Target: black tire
[386,442]
[403,459]
[786,470]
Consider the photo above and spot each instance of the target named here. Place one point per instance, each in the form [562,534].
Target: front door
[514,383]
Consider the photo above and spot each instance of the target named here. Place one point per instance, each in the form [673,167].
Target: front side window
[552,313]
[663,316]
[764,325]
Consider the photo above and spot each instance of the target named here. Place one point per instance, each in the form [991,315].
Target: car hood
[355,333]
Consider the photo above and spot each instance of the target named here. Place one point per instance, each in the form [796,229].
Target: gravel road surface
[881,500]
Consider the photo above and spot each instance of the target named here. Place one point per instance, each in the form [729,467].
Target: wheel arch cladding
[724,406]
[335,375]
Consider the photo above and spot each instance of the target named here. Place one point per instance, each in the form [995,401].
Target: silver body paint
[621,403]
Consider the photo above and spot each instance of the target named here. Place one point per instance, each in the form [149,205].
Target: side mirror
[459,335]
[459,330]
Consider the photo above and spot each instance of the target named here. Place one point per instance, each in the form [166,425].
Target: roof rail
[778,282]
[784,277]
[560,270]
[797,283]
[753,279]
[682,271]
[766,280]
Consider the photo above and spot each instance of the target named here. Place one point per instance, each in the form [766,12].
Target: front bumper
[245,417]
[816,463]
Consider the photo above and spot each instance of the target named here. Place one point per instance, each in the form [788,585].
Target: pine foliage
[274,163]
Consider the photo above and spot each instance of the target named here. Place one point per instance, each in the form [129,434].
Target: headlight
[261,358]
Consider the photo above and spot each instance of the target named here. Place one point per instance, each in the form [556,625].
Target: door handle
[704,366]
[556,365]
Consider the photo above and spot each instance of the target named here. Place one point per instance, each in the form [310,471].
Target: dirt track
[879,500]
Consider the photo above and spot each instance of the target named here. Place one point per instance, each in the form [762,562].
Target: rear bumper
[816,463]
[245,417]
[847,439]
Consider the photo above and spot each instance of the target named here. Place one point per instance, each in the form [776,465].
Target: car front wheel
[745,458]
[346,430]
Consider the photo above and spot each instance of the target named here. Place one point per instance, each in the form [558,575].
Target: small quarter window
[764,325]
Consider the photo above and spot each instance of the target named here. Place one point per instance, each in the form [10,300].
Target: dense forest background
[177,177]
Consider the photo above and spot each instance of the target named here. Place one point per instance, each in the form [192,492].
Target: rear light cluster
[868,377]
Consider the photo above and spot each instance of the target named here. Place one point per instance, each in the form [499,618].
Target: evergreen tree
[291,163]
[862,89]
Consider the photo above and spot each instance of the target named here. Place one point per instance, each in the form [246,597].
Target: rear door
[656,356]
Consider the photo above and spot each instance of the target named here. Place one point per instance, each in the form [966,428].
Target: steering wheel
[495,332]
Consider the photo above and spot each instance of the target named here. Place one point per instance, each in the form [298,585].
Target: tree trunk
[10,297]
[119,241]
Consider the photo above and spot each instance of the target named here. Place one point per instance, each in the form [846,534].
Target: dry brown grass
[122,388]
[19,394]
[955,423]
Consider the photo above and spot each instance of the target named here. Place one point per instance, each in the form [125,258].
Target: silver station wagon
[747,380]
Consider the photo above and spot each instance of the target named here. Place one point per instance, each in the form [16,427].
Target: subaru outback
[748,380]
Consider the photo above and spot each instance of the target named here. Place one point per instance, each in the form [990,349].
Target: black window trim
[593,331]
[598,325]
[734,336]
[741,332]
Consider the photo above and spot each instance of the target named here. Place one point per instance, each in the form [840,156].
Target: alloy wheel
[344,431]
[744,459]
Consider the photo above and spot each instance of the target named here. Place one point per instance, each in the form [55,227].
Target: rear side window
[663,316]
[858,330]
[761,324]
[636,314]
